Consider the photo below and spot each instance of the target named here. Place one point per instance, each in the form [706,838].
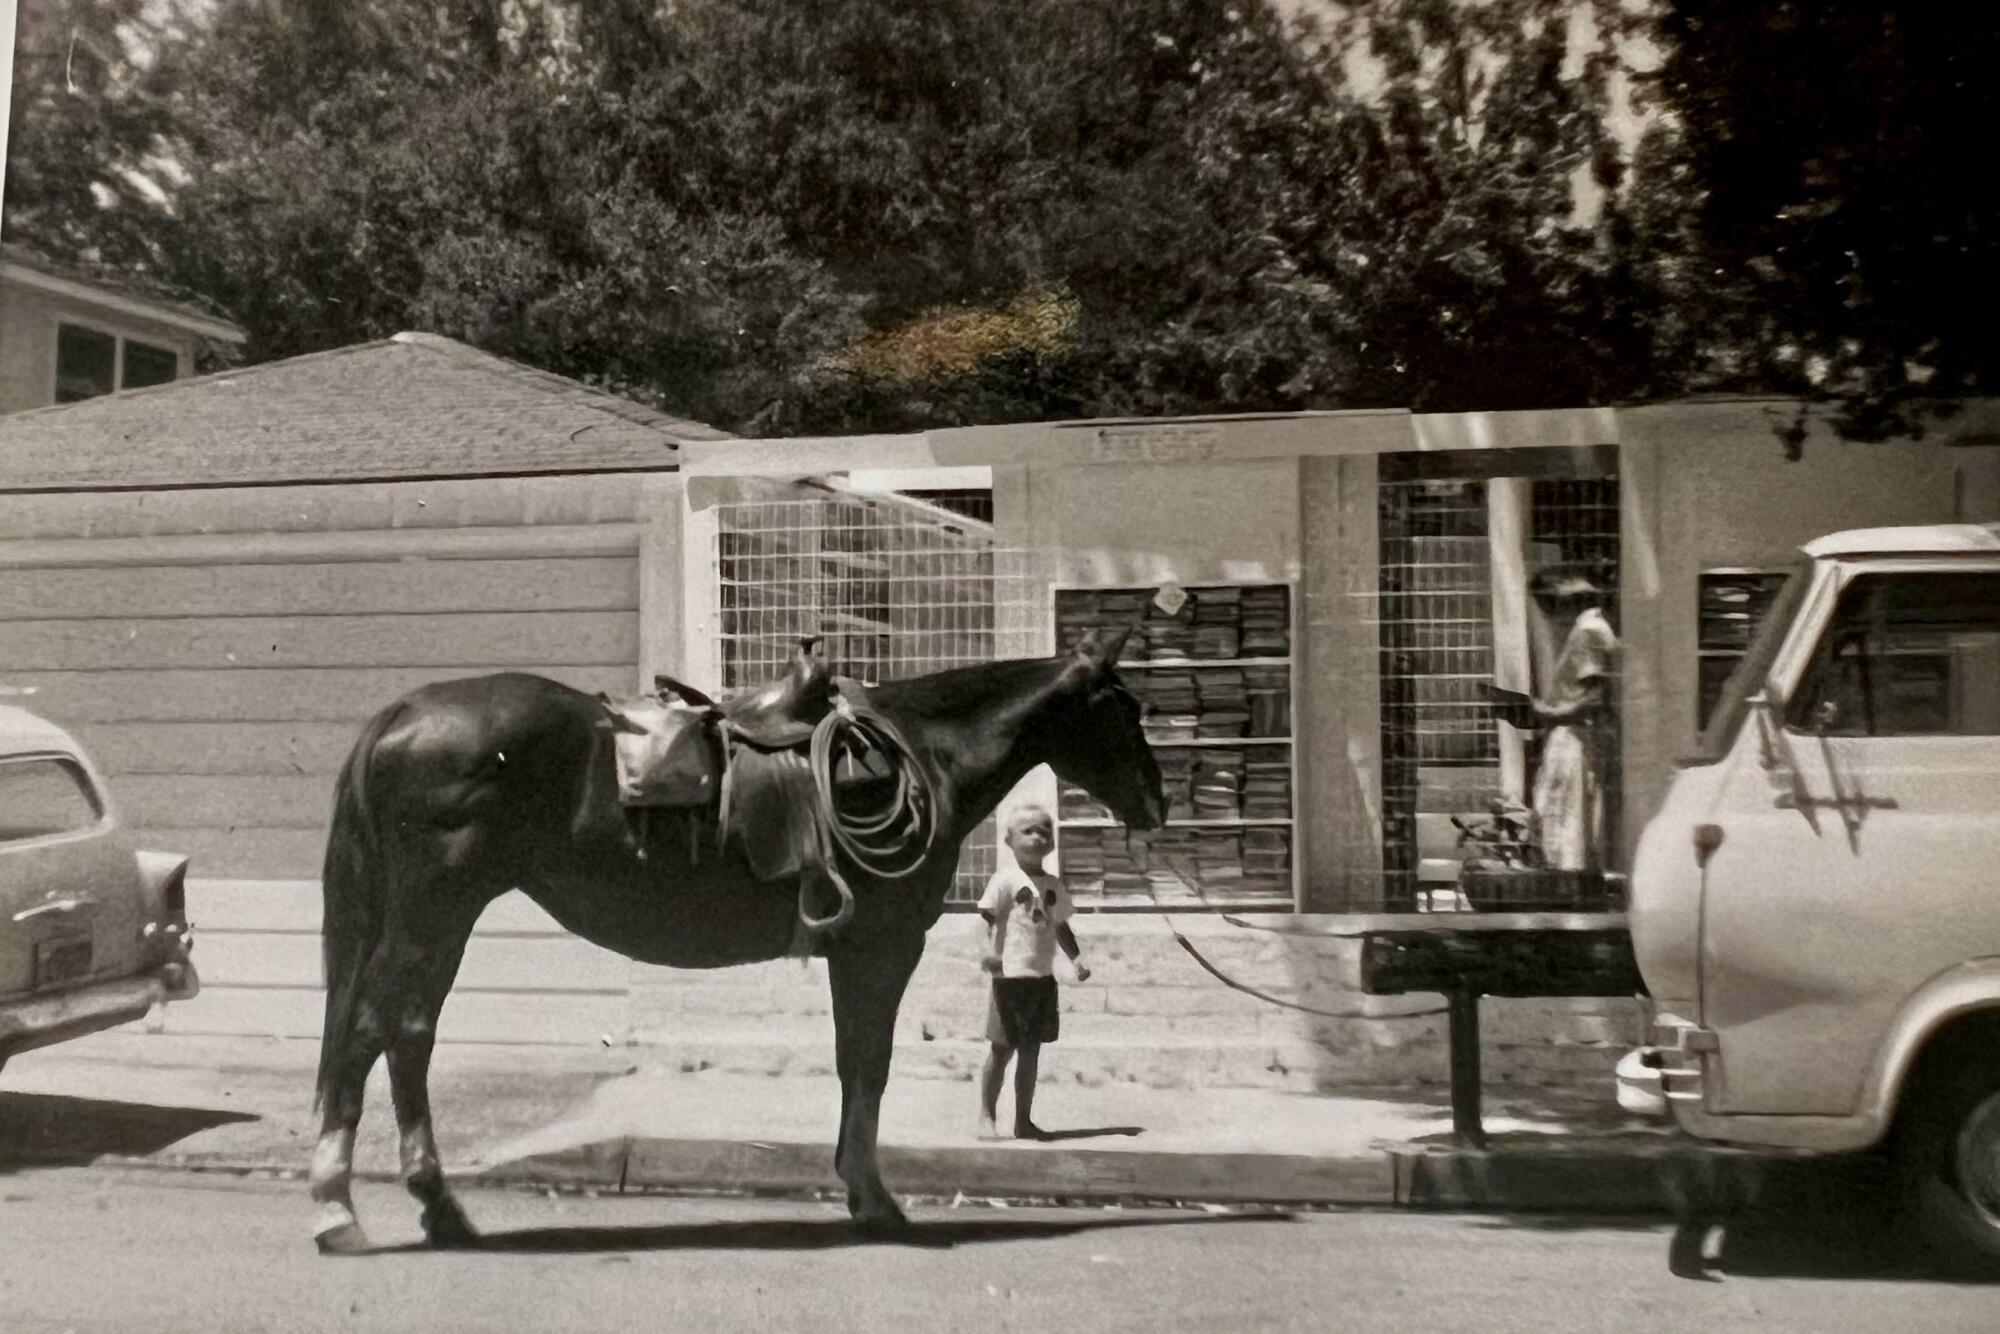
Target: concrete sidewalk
[609,1120]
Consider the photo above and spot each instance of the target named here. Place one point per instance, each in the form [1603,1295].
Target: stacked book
[1218,783]
[1218,623]
[1267,784]
[1171,706]
[1108,611]
[1082,858]
[1224,709]
[1267,859]
[1268,693]
[1124,863]
[1169,637]
[1218,861]
[1265,623]
[1170,856]
[1076,804]
[1177,779]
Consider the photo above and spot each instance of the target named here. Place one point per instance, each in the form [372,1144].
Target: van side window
[40,797]
[1908,654]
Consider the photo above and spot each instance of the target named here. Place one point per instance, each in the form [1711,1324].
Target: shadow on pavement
[1862,1243]
[1828,1218]
[1087,1132]
[42,1129]
[814,1234]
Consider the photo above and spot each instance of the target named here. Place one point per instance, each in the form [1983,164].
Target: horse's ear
[1101,648]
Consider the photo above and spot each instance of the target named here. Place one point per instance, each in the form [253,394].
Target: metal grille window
[1732,606]
[895,588]
[1440,744]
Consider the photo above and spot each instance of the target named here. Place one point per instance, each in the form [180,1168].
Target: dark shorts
[1023,1010]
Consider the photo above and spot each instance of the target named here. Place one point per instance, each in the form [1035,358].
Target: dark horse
[464,790]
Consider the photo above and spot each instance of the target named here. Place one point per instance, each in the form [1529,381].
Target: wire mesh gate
[894,587]
[1440,741]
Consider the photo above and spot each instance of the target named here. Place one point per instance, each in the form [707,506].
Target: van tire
[1949,1160]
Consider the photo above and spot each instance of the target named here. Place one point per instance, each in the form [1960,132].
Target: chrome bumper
[39,1021]
[1667,1070]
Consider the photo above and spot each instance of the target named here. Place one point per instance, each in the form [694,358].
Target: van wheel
[1951,1165]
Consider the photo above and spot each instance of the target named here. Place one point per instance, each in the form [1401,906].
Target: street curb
[1629,1180]
[1652,1180]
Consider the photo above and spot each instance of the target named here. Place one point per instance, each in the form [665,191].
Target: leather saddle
[748,757]
[779,715]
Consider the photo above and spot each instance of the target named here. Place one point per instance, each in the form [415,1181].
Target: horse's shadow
[799,1234]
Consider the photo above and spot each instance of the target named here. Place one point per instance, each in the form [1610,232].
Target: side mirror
[1768,705]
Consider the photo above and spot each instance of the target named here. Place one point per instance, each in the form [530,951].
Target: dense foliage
[784,216]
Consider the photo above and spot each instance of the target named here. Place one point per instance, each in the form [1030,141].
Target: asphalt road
[87,1250]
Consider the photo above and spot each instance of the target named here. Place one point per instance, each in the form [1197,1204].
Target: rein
[1244,987]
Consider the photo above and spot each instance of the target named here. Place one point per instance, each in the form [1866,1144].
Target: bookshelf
[1216,680]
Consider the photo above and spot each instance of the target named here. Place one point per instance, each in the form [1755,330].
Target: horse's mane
[962,690]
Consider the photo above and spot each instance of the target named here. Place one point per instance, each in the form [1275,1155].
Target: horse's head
[1098,742]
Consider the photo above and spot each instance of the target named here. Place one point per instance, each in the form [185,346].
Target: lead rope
[1244,987]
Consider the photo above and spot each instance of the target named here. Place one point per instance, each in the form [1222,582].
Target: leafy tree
[861,214]
[81,131]
[1836,147]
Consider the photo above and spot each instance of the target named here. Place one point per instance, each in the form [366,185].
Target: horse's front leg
[868,982]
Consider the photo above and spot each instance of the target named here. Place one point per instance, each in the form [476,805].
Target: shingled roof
[415,405]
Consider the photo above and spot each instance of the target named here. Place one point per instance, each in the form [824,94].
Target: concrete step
[1099,1049]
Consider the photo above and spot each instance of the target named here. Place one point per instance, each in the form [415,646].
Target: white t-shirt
[1028,909]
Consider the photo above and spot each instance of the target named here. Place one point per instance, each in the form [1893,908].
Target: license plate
[61,961]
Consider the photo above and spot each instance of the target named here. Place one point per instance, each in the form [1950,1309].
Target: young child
[1027,916]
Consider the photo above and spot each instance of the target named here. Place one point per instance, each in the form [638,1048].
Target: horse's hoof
[884,1227]
[446,1226]
[884,1218]
[344,1239]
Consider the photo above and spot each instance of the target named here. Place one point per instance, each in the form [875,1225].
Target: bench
[1469,955]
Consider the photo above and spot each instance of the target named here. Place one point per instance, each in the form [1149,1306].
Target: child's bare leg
[1025,1074]
[991,1076]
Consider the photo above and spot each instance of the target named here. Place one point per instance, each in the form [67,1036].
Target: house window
[86,363]
[1733,603]
[90,362]
[146,364]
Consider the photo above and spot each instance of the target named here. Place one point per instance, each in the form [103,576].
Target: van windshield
[1752,668]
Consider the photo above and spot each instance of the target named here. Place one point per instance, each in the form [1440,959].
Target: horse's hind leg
[422,980]
[337,1232]
[868,983]
[401,993]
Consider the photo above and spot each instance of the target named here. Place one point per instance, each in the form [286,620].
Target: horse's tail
[352,882]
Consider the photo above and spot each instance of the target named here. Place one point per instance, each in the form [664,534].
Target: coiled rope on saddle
[889,842]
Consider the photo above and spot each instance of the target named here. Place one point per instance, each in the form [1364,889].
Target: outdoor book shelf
[1216,682]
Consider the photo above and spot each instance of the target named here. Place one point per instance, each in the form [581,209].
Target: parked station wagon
[93,931]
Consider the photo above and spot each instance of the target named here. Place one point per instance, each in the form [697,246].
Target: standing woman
[1575,708]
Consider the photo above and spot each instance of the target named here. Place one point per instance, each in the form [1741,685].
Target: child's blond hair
[1022,816]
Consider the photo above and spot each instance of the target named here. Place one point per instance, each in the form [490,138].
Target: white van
[1816,907]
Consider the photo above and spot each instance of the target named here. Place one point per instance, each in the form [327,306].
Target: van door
[1861,836]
